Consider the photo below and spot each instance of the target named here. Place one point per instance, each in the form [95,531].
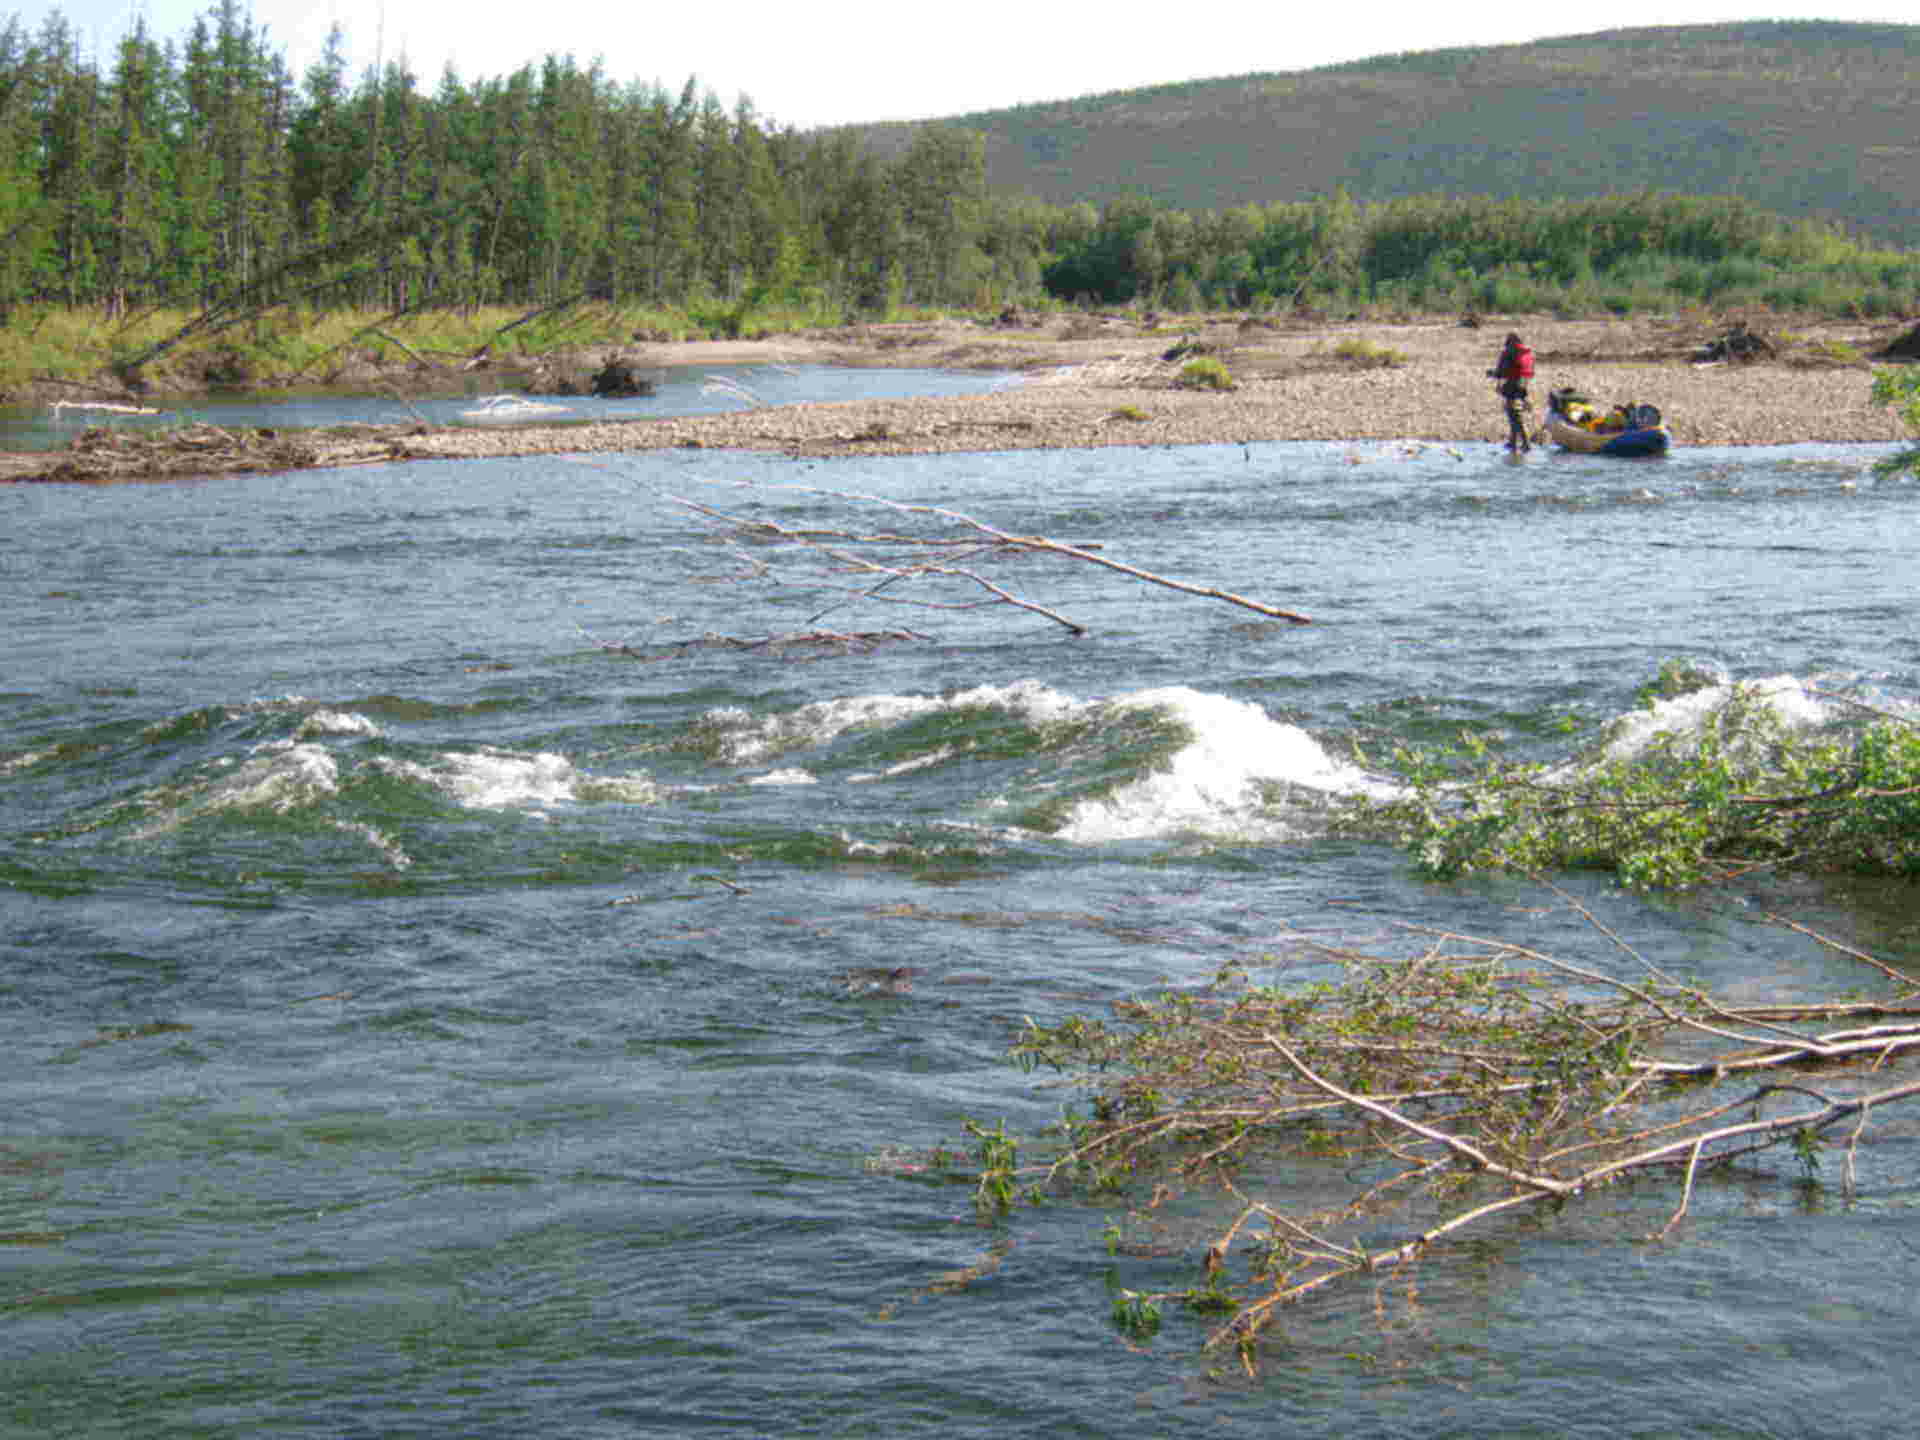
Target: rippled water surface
[492,400]
[425,994]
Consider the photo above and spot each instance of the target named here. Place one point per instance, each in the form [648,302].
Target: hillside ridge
[1806,118]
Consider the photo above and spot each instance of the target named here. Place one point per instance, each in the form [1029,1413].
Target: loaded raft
[1576,423]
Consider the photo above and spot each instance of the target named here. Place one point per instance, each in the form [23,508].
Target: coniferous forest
[198,173]
[185,173]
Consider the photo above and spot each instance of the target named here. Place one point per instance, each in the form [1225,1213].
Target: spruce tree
[137,168]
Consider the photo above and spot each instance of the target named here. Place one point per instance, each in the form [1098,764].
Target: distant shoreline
[1091,382]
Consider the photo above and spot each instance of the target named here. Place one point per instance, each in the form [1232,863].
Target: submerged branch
[1448,1089]
[935,563]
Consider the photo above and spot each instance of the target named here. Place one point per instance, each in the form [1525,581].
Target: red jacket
[1516,363]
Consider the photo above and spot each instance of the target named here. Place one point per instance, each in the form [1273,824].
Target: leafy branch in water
[1426,1095]
[1899,390]
[1707,783]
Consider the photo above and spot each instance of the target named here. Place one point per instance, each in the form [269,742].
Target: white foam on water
[1216,783]
[750,739]
[1689,715]
[385,844]
[279,775]
[490,779]
[790,776]
[496,779]
[905,767]
[880,848]
[336,722]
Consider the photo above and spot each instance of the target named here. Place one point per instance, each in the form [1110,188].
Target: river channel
[426,1003]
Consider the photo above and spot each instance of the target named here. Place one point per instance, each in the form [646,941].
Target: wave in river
[1021,757]
[1149,764]
[1712,707]
[990,771]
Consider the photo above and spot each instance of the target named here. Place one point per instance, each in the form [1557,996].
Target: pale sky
[851,61]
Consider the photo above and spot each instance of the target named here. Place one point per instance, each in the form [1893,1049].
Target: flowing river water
[426,1003]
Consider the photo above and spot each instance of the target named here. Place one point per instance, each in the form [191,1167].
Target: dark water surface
[421,1018]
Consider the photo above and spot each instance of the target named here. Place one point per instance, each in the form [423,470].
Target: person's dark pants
[1518,416]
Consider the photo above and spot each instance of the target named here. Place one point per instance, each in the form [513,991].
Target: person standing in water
[1512,371]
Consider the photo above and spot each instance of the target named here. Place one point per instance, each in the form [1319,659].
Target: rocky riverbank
[1091,381]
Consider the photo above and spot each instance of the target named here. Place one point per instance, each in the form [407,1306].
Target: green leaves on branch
[1697,788]
[998,1154]
[1355,1124]
[1899,390]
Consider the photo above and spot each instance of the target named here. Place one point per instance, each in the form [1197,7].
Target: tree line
[1620,253]
[188,173]
[202,173]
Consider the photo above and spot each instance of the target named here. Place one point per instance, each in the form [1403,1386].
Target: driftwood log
[100,456]
[1739,344]
[886,559]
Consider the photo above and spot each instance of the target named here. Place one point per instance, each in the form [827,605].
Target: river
[426,1003]
[485,405]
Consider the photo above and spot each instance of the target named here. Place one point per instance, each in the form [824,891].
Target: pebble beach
[1083,381]
[1095,386]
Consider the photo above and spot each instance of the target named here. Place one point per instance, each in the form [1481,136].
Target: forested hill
[1643,169]
[1806,118]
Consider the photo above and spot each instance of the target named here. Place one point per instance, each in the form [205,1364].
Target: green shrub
[1365,355]
[1823,354]
[1205,372]
[1720,784]
[1899,390]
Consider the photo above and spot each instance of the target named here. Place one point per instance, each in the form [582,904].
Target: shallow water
[424,957]
[489,401]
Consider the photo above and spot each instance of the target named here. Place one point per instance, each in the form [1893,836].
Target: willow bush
[1899,390]
[1709,782]
[1620,253]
